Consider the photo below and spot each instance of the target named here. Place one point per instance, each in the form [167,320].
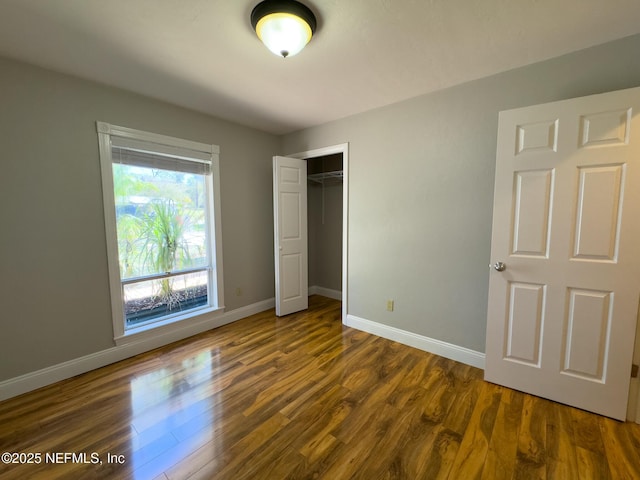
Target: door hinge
[634,371]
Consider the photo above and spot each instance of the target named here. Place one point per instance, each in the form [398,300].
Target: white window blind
[158,156]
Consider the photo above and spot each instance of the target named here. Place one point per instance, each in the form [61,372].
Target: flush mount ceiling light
[284,26]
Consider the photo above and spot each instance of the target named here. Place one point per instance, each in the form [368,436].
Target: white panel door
[290,228]
[566,225]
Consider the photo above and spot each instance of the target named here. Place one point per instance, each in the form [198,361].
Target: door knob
[499,266]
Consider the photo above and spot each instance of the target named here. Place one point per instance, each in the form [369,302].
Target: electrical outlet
[389,305]
[238,292]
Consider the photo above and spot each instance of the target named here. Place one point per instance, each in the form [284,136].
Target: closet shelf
[326,177]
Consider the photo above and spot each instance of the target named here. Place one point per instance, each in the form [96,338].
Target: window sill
[171,326]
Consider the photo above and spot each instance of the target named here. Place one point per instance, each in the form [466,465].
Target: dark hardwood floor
[303,397]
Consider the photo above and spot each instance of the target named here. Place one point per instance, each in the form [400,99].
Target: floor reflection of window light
[172,414]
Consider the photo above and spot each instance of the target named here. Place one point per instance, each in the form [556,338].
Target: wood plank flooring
[303,397]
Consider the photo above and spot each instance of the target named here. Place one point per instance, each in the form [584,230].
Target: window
[161,197]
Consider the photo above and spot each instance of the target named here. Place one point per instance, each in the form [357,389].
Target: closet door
[290,234]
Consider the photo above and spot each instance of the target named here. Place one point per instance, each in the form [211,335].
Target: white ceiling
[204,55]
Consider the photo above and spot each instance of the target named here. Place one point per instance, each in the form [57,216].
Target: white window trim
[175,322]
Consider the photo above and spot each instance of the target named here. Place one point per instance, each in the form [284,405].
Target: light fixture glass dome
[285,27]
[284,34]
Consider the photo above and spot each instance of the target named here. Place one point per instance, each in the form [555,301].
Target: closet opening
[325,225]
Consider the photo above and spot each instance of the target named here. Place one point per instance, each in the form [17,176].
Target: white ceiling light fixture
[284,26]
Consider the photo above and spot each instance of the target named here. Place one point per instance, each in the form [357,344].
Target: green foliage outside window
[160,224]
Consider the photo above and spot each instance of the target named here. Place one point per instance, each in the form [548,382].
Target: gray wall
[421,189]
[54,283]
[325,239]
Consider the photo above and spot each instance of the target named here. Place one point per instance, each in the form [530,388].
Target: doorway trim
[342,148]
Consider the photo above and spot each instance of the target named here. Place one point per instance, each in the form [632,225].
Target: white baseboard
[325,292]
[431,345]
[41,378]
